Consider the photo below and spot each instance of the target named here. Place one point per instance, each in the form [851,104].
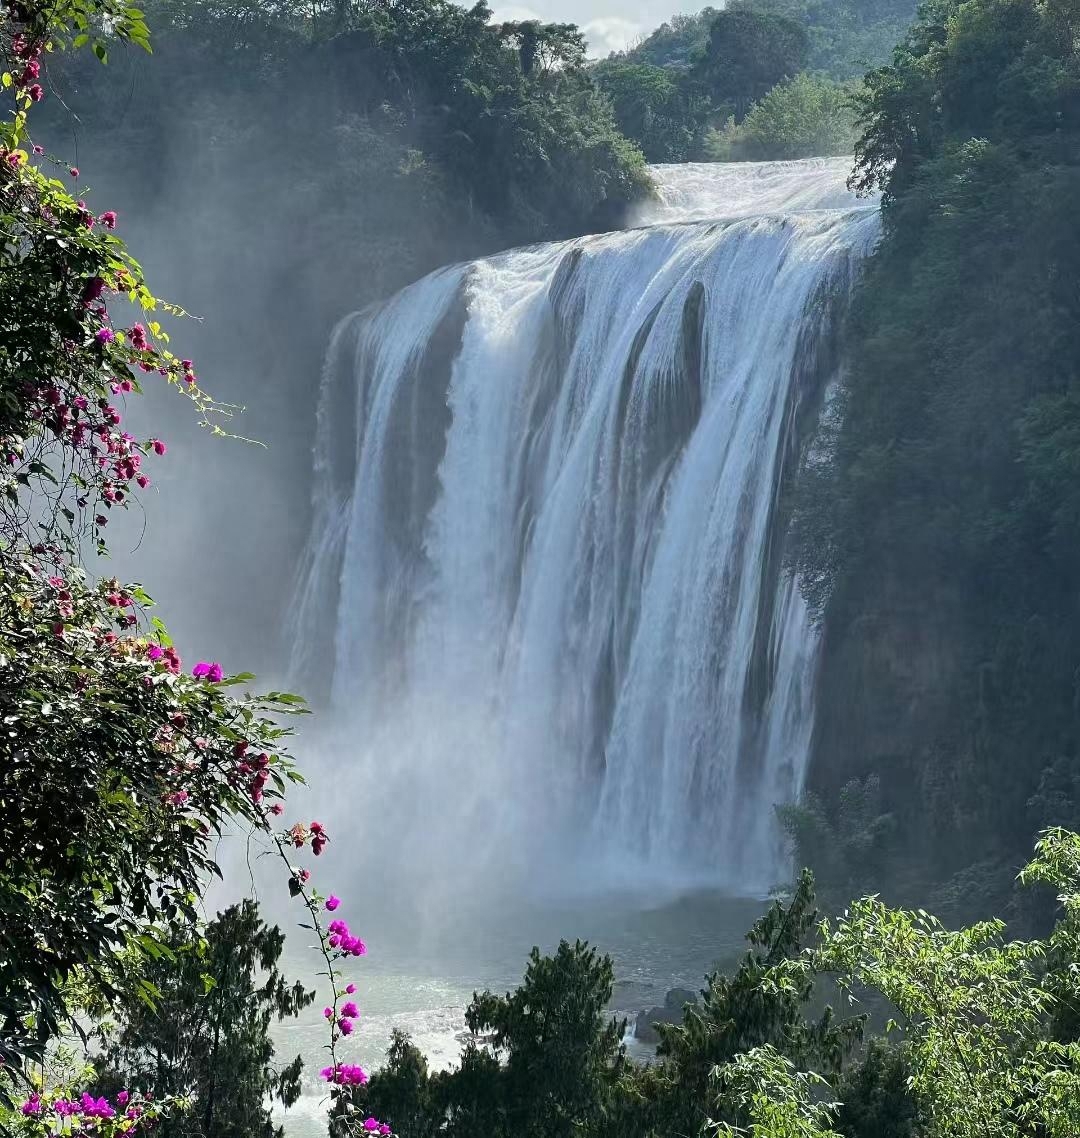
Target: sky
[608,24]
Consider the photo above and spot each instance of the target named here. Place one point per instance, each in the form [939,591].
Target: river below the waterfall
[420,978]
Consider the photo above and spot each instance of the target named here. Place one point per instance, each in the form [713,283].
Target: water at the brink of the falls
[545,590]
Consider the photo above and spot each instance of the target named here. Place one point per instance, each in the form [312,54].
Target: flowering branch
[336,942]
[45,1114]
[118,769]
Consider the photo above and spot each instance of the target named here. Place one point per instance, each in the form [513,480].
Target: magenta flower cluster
[345,1021]
[90,430]
[345,1074]
[342,941]
[337,940]
[84,1112]
[167,657]
[256,772]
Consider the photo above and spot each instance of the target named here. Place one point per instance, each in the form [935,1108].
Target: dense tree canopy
[803,117]
[683,92]
[656,107]
[206,1034]
[975,1037]
[942,538]
[748,53]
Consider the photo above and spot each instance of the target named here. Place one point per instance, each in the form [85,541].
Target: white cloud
[604,34]
[513,13]
[610,33]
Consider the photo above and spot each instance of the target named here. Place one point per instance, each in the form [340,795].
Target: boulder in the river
[672,1012]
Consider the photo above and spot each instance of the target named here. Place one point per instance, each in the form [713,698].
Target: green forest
[920,976]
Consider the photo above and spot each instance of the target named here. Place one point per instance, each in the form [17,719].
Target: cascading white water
[545,579]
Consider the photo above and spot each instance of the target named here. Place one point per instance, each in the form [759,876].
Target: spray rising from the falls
[545,586]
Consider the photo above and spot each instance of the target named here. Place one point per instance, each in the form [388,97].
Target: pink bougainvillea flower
[345,1073]
[122,1098]
[36,92]
[74,171]
[208,671]
[96,1108]
[371,1125]
[93,288]
[328,1013]
[39,149]
[108,219]
[159,446]
[332,903]
[350,1010]
[345,1026]
[350,989]
[277,808]
[104,335]
[155,652]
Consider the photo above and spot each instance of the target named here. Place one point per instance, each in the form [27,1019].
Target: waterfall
[545,585]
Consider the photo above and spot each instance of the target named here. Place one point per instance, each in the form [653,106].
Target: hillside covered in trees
[757,79]
[940,538]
